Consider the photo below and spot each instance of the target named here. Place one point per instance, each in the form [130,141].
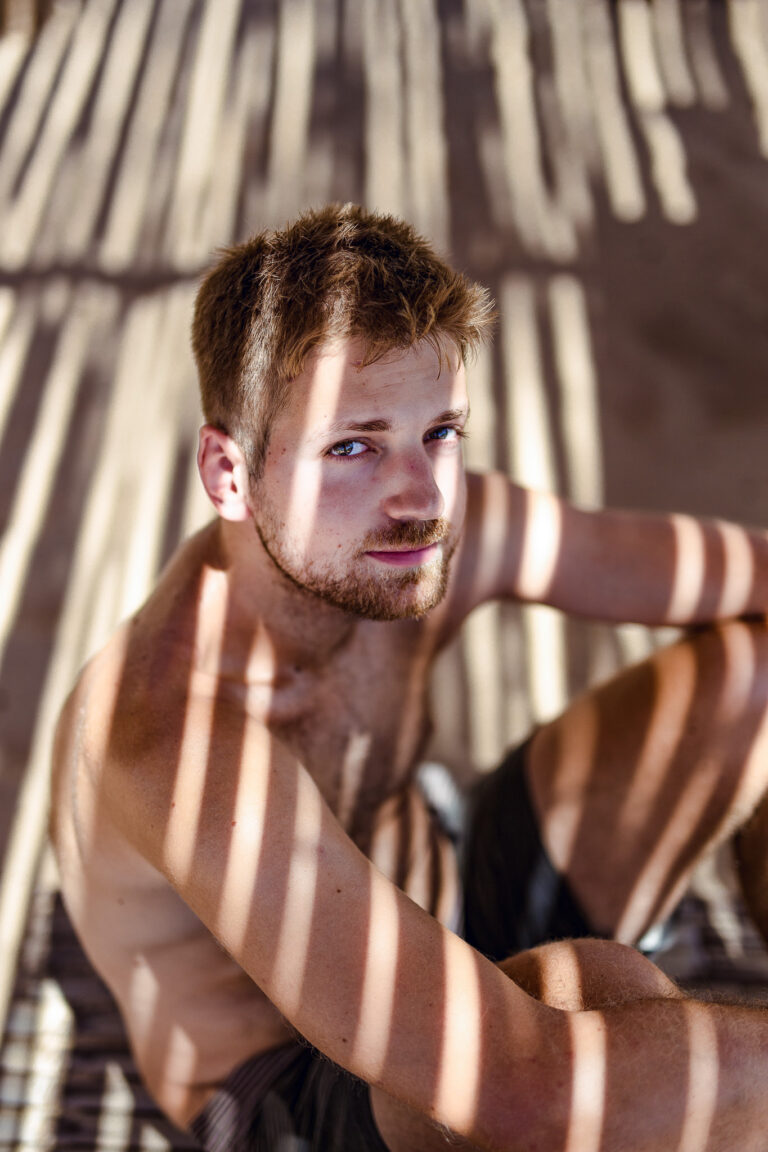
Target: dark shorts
[292,1099]
[289,1099]
[514,898]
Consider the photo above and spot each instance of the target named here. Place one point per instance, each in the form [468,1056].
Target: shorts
[289,1099]
[293,1099]
[514,898]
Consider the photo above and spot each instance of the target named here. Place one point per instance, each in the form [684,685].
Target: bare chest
[359,725]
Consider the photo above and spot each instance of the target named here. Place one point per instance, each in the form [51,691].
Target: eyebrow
[341,427]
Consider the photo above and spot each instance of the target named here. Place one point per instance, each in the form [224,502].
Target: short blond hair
[336,272]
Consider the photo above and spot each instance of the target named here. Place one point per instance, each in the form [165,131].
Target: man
[234,789]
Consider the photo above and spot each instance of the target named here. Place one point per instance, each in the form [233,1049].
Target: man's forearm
[651,1076]
[658,569]
[671,1074]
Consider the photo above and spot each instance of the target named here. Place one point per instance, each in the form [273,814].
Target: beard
[383,593]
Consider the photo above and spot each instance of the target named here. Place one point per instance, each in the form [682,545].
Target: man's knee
[580,974]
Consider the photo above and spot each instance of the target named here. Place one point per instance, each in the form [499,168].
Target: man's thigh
[642,775]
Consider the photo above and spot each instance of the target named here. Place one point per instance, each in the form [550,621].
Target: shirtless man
[235,811]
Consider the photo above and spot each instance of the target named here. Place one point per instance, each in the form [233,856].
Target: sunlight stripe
[30,503]
[531,463]
[48,1059]
[218,217]
[457,1092]
[543,227]
[204,109]
[530,445]
[703,1079]
[17,338]
[192,765]
[377,1000]
[292,108]
[690,568]
[669,37]
[638,51]
[675,686]
[7,302]
[14,47]
[578,151]
[620,163]
[326,166]
[479,641]
[94,551]
[569,64]
[746,36]
[384,139]
[292,954]
[151,1140]
[425,129]
[577,756]
[115,1124]
[590,1081]
[134,185]
[34,93]
[121,445]
[646,90]
[739,574]
[578,389]
[156,437]
[111,107]
[352,775]
[23,220]
[481,629]
[703,55]
[668,168]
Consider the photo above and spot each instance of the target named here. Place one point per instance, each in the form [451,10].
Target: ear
[224,473]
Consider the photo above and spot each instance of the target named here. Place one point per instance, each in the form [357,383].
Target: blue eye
[446,433]
[347,448]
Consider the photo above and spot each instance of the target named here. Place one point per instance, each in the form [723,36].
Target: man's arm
[654,569]
[388,993]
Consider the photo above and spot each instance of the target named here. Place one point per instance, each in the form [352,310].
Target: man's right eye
[348,448]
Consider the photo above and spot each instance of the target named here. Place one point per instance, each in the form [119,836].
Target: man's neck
[270,622]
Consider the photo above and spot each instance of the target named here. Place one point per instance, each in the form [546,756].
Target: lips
[405,558]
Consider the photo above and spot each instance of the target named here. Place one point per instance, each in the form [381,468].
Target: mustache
[411,534]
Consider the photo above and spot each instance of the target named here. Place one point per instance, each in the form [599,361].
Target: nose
[409,488]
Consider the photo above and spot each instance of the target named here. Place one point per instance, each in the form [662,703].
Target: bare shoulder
[127,701]
[85,724]
[161,765]
[122,793]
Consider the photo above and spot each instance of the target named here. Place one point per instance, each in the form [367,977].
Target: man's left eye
[444,434]
[347,448]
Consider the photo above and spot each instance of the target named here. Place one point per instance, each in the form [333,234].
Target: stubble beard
[387,593]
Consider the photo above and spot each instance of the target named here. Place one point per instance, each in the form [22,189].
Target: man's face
[363,493]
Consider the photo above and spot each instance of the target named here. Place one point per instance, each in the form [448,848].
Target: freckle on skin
[234,822]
